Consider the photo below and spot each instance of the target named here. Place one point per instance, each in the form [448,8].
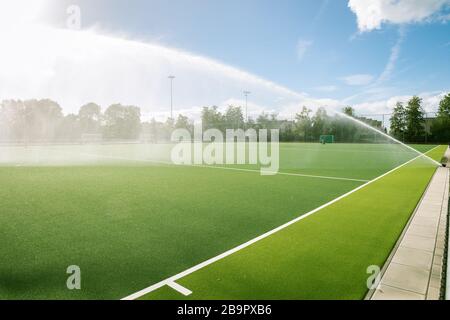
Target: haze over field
[74,67]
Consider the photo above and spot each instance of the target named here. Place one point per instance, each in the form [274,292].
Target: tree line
[44,121]
[305,127]
[409,124]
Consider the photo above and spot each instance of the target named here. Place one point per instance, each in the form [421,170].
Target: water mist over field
[74,67]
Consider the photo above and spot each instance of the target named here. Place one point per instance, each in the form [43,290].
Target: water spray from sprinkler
[387,136]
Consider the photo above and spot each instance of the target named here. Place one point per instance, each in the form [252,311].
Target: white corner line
[175,286]
[202,265]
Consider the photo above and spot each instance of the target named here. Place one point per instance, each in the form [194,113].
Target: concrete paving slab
[418,230]
[435,282]
[414,258]
[430,210]
[418,242]
[426,222]
[433,294]
[385,292]
[406,278]
[414,271]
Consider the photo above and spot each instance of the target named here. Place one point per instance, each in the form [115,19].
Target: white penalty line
[226,168]
[170,281]
[175,286]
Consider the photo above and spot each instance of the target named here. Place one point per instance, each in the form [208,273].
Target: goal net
[327,139]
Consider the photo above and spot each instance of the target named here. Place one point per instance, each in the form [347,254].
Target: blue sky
[308,46]
[365,53]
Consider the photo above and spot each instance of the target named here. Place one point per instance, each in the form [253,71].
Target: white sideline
[202,265]
[224,168]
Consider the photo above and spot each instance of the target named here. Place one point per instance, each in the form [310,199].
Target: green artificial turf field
[327,255]
[129,222]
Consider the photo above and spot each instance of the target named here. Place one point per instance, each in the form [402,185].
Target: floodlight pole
[246,94]
[171,96]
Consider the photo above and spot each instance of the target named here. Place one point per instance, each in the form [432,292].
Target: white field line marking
[282,173]
[225,168]
[257,239]
[359,151]
[175,286]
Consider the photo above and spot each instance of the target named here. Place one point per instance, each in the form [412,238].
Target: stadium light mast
[171,96]
[246,94]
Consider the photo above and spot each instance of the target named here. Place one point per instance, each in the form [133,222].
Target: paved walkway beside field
[447,297]
[414,271]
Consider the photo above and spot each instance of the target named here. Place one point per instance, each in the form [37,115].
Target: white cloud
[430,103]
[393,58]
[376,89]
[358,79]
[330,88]
[74,67]
[443,18]
[13,13]
[371,14]
[302,48]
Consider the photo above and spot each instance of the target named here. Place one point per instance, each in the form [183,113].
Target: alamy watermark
[375,277]
[74,280]
[237,147]
[73,21]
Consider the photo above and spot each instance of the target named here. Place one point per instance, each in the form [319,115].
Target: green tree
[398,121]
[212,119]
[154,131]
[13,119]
[32,120]
[170,124]
[440,128]
[415,120]
[304,123]
[69,129]
[349,111]
[183,122]
[346,130]
[288,131]
[122,122]
[267,121]
[43,118]
[90,117]
[321,124]
[444,107]
[251,124]
[234,118]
